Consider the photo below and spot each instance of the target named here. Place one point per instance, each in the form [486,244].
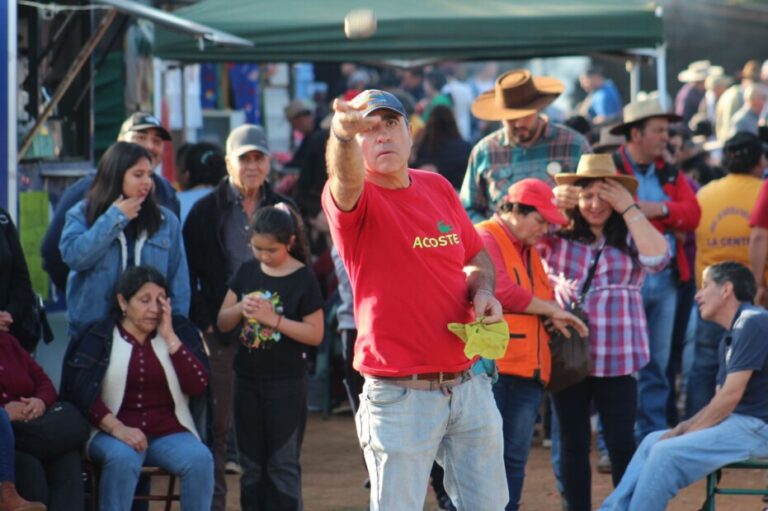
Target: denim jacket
[87,358]
[97,255]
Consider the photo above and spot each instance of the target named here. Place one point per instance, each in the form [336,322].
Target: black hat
[744,145]
[141,121]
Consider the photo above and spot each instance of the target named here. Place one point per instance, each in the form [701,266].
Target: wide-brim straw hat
[642,110]
[696,71]
[597,166]
[517,94]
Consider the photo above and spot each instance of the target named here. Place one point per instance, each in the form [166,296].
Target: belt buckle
[440,378]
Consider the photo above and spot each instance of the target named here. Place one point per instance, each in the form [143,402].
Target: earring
[123,312]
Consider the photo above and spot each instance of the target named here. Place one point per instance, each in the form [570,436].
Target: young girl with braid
[276,303]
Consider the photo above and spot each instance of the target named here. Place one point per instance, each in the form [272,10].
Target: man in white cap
[690,95]
[217,237]
[528,144]
[420,400]
[665,197]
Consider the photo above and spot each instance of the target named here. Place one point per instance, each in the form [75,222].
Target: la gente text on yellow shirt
[439,241]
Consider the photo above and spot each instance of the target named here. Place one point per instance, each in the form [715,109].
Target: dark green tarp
[312,30]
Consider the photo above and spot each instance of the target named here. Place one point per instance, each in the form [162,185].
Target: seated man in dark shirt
[733,426]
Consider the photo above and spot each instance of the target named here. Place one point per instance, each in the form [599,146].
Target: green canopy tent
[312,30]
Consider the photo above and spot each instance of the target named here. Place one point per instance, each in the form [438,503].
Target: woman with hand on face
[137,378]
[120,225]
[608,227]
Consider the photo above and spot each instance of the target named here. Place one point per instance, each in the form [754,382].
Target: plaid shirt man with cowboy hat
[527,145]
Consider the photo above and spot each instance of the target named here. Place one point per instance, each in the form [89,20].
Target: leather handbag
[571,358]
[62,428]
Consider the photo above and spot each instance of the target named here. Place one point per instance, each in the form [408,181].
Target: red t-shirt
[405,251]
[759,216]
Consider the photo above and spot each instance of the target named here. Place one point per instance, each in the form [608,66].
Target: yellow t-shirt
[723,232]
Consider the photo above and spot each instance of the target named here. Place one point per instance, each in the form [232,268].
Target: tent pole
[661,74]
[8,125]
[633,68]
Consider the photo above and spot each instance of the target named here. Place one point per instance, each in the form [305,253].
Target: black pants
[616,403]
[221,380]
[57,482]
[270,417]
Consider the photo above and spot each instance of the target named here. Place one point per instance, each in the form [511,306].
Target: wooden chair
[92,473]
[713,481]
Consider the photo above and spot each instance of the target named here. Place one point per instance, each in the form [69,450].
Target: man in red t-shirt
[416,264]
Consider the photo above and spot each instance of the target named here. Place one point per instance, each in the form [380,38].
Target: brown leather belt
[426,381]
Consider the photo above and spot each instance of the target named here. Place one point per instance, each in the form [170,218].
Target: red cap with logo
[536,193]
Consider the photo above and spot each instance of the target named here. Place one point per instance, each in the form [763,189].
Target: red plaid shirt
[618,329]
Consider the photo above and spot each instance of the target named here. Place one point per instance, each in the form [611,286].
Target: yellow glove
[489,340]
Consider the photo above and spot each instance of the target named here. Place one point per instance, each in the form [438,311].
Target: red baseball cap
[536,193]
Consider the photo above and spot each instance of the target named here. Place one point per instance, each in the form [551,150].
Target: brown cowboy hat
[597,166]
[641,110]
[517,94]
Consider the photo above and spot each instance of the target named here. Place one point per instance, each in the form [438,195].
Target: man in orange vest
[522,287]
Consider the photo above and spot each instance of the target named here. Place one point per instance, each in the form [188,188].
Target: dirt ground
[333,477]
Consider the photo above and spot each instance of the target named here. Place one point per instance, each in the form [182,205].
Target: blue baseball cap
[375,99]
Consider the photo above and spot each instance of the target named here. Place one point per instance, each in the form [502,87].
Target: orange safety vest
[528,352]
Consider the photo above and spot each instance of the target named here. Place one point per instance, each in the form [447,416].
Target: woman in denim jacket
[119,225]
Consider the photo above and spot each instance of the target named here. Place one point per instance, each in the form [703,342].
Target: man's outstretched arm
[344,158]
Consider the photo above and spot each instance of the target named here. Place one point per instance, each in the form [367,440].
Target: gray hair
[744,285]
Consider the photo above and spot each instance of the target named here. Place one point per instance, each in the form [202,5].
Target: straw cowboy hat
[642,110]
[597,166]
[517,94]
[696,72]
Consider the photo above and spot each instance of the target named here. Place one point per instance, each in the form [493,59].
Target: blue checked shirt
[496,164]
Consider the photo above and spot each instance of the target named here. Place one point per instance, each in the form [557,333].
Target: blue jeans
[518,400]
[402,431]
[179,453]
[660,300]
[554,433]
[7,448]
[661,468]
[703,378]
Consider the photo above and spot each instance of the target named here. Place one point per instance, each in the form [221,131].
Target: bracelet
[340,139]
[633,205]
[635,218]
[277,325]
[174,347]
[484,291]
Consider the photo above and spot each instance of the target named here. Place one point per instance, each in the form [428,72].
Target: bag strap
[590,275]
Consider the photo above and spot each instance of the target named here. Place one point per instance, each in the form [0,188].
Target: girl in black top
[276,302]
